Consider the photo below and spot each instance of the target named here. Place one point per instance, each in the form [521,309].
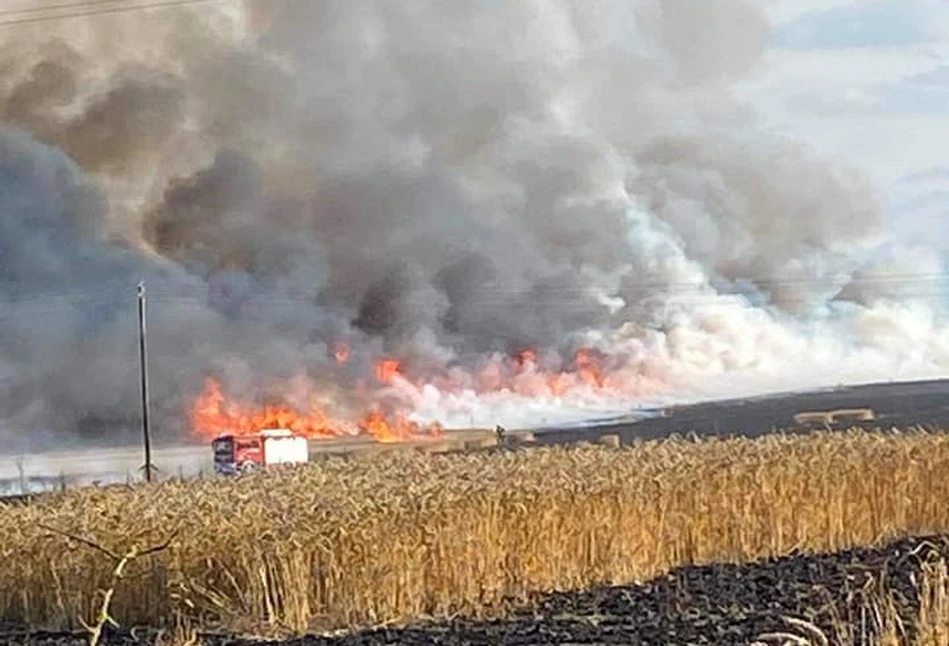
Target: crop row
[352,542]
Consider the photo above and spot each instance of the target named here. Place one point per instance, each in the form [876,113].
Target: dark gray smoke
[439,181]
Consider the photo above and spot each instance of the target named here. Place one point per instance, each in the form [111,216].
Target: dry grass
[879,616]
[343,543]
[933,622]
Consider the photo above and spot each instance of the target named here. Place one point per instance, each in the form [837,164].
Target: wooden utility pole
[143,359]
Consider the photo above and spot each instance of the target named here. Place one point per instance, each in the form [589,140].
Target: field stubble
[343,543]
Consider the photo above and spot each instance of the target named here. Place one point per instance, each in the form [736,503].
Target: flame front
[520,375]
[213,414]
[397,429]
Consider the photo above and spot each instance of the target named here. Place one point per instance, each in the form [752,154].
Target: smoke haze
[444,182]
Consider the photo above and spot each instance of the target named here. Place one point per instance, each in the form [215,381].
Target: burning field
[384,219]
[213,414]
[388,220]
[385,399]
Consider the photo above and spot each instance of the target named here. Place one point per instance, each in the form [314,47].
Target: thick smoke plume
[448,183]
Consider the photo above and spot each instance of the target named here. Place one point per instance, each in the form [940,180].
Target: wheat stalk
[387,538]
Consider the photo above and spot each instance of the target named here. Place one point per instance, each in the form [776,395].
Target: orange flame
[341,353]
[213,414]
[588,369]
[387,369]
[399,430]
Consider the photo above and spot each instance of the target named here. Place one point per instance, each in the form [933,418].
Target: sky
[867,81]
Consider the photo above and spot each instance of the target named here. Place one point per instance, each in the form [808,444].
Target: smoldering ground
[437,181]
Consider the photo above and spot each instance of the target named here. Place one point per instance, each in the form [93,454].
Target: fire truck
[235,454]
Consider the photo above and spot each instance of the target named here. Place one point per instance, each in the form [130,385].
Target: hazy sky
[867,80]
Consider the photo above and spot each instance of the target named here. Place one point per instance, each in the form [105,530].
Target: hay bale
[481,443]
[853,414]
[612,440]
[436,447]
[813,418]
[518,438]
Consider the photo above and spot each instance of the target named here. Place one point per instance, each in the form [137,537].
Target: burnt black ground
[896,404]
[715,604]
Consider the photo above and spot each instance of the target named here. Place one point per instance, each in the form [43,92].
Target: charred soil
[848,596]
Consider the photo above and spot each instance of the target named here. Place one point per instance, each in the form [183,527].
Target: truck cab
[235,454]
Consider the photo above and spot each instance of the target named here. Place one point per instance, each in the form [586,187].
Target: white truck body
[283,447]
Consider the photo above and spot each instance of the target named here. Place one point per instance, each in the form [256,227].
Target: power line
[85,4]
[259,310]
[91,10]
[926,283]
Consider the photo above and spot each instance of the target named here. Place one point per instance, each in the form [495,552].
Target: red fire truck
[242,453]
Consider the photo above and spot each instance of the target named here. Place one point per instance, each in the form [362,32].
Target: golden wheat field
[343,543]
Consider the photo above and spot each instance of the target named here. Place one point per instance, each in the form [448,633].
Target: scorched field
[342,544]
